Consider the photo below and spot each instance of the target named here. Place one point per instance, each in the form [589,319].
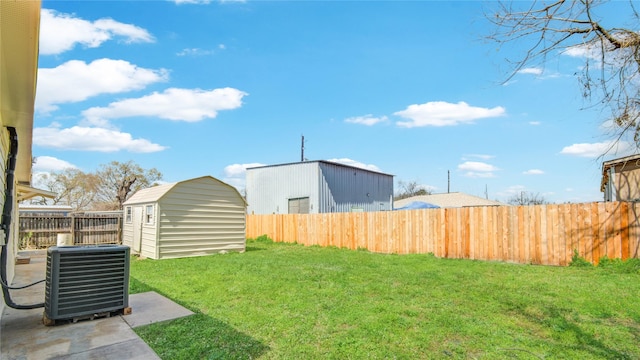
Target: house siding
[13,242]
[20,27]
[627,178]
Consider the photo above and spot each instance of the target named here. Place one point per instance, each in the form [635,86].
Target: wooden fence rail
[541,234]
[41,230]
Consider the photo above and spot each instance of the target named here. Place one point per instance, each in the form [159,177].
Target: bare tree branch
[610,77]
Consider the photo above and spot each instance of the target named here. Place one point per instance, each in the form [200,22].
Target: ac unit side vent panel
[86,280]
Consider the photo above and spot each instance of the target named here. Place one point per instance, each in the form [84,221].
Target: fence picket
[41,230]
[540,234]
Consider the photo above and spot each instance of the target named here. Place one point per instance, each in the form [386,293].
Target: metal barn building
[193,217]
[313,187]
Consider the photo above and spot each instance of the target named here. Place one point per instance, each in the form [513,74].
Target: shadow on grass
[197,336]
[569,334]
[200,337]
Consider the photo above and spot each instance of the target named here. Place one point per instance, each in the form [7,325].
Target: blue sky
[406,88]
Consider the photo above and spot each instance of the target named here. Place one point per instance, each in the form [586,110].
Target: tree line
[105,189]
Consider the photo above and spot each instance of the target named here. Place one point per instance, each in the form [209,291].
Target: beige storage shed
[195,217]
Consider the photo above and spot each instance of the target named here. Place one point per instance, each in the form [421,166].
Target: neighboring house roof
[615,162]
[32,207]
[448,200]
[155,193]
[324,162]
[19,34]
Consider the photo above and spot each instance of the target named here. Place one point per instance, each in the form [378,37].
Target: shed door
[137,229]
[299,206]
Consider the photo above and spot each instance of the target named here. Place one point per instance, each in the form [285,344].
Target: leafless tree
[118,181]
[609,46]
[409,189]
[72,187]
[527,198]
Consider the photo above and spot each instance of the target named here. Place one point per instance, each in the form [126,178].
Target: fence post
[119,231]
[72,228]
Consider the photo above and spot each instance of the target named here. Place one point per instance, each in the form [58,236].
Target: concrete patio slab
[150,307]
[25,337]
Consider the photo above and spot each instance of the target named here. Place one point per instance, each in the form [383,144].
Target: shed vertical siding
[270,188]
[127,232]
[199,217]
[150,235]
[345,189]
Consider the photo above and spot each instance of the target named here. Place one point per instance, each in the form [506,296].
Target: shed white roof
[155,193]
[151,194]
[449,200]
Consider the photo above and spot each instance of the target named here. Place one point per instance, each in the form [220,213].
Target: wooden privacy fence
[541,234]
[41,230]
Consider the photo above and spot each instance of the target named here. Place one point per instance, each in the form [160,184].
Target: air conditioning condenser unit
[86,281]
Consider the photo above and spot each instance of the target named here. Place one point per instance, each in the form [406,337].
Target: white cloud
[440,113]
[91,139]
[194,52]
[589,51]
[512,190]
[368,120]
[236,174]
[475,174]
[349,162]
[239,170]
[531,70]
[476,169]
[76,81]
[594,150]
[188,105]
[533,172]
[534,123]
[479,156]
[61,32]
[477,166]
[49,163]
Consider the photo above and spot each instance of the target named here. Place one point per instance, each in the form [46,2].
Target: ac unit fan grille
[86,280]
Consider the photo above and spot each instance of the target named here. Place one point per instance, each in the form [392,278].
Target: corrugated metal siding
[270,188]
[344,189]
[199,217]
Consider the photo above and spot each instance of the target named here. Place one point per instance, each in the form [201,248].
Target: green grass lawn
[284,301]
